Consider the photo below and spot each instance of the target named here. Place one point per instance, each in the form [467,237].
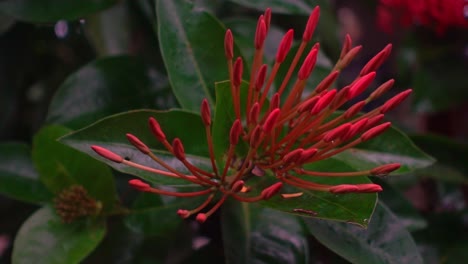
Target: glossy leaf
[152,216]
[110,133]
[385,240]
[191,42]
[354,208]
[255,235]
[52,10]
[390,147]
[113,85]
[44,238]
[60,166]
[18,178]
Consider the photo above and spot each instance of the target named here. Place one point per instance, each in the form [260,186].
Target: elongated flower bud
[355,129]
[107,154]
[272,190]
[267,18]
[255,137]
[361,85]
[383,88]
[323,102]
[385,169]
[229,45]
[205,113]
[369,188]
[327,82]
[346,46]
[275,102]
[344,188]
[237,186]
[139,185]
[377,60]
[178,148]
[138,143]
[308,65]
[237,72]
[349,57]
[253,113]
[337,132]
[311,24]
[394,101]
[353,110]
[375,131]
[306,155]
[271,120]
[260,33]
[308,105]
[260,80]
[285,46]
[293,156]
[373,121]
[156,129]
[236,130]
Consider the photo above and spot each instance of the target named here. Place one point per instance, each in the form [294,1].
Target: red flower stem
[211,150]
[271,78]
[305,184]
[240,172]
[332,174]
[293,95]
[203,205]
[195,171]
[178,194]
[216,206]
[228,162]
[169,168]
[258,54]
[189,178]
[336,151]
[292,67]
[247,199]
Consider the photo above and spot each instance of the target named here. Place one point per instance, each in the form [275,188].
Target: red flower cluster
[437,14]
[281,137]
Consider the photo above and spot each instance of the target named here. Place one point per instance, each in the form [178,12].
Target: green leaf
[191,43]
[113,85]
[52,10]
[298,7]
[385,240]
[354,208]
[44,238]
[18,178]
[110,133]
[391,147]
[60,166]
[258,235]
[152,216]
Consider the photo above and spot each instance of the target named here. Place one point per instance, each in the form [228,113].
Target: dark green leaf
[391,147]
[192,47]
[110,133]
[152,216]
[113,85]
[352,207]
[18,178]
[44,238]
[385,240]
[298,7]
[52,10]
[60,166]
[255,235]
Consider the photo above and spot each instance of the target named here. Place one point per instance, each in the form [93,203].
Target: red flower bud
[229,45]
[360,85]
[138,143]
[205,113]
[349,57]
[107,154]
[260,77]
[260,33]
[253,113]
[271,120]
[383,88]
[346,46]
[139,185]
[373,121]
[237,72]
[306,155]
[201,218]
[327,81]
[337,132]
[183,213]
[394,101]
[285,46]
[178,149]
[156,129]
[311,24]
[323,102]
[375,131]
[267,18]
[355,129]
[369,188]
[308,65]
[293,156]
[236,130]
[237,186]
[353,110]
[377,60]
[385,169]
[308,104]
[344,188]
[272,190]
[275,102]
[255,137]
